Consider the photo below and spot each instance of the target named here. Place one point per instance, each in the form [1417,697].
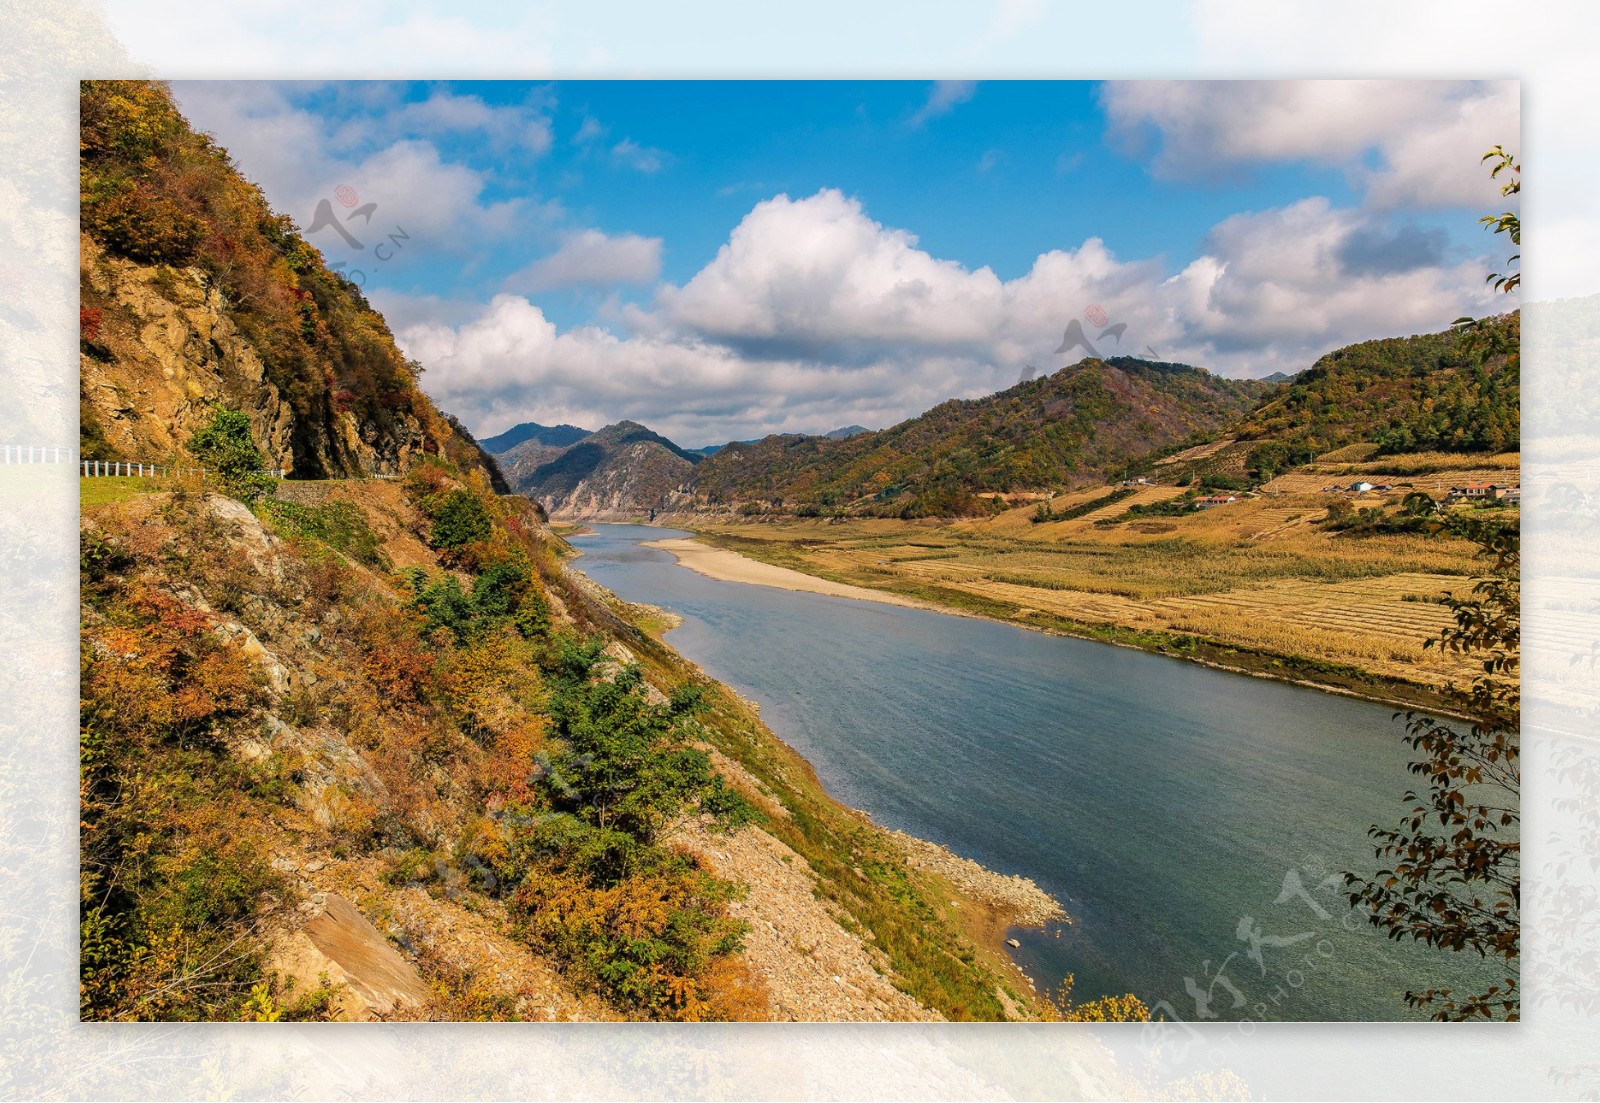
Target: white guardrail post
[19,454]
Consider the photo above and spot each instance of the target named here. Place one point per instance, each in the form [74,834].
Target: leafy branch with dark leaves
[1454,862]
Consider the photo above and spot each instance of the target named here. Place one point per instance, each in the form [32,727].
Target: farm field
[1254,584]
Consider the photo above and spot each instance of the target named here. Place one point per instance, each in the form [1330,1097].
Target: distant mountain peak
[631,432]
[554,436]
[624,470]
[846,432]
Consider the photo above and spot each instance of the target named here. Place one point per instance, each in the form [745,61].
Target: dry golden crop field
[1198,452]
[1255,574]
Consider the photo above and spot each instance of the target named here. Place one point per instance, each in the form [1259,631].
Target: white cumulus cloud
[590,258]
[813,315]
[300,157]
[1427,136]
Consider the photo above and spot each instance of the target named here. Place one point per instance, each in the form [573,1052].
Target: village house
[1214,500]
[1485,492]
[1471,492]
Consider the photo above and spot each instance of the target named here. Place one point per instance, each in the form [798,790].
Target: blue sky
[725,259]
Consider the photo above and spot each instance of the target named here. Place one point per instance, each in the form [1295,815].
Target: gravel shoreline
[1018,900]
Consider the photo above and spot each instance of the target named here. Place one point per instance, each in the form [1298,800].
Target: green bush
[594,879]
[1271,458]
[225,446]
[502,594]
[458,520]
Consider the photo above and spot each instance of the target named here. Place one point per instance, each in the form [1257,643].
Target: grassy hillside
[1063,430]
[396,693]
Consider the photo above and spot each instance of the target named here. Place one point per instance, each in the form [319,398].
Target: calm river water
[1193,822]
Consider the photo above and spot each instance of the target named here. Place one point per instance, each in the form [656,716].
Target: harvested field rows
[1334,623]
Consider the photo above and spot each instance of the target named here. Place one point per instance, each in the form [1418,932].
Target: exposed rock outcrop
[167,350]
[337,947]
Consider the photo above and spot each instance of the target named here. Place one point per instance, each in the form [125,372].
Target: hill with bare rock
[196,295]
[623,472]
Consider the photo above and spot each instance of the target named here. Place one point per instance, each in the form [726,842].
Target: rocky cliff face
[165,351]
[636,479]
[194,293]
[520,461]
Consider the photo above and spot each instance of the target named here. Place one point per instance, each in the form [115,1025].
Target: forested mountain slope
[1454,391]
[1062,430]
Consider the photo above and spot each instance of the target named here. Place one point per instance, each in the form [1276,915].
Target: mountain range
[1059,430]
[555,436]
[1456,390]
[623,470]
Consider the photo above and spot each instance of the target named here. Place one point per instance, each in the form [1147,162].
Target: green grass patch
[121,488]
[340,525]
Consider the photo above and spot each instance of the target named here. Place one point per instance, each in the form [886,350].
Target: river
[1193,822]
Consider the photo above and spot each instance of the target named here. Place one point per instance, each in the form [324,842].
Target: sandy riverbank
[727,566]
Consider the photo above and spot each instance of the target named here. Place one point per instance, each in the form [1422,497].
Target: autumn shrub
[90,322]
[490,685]
[1126,1008]
[139,223]
[392,655]
[427,480]
[321,583]
[646,940]
[173,876]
